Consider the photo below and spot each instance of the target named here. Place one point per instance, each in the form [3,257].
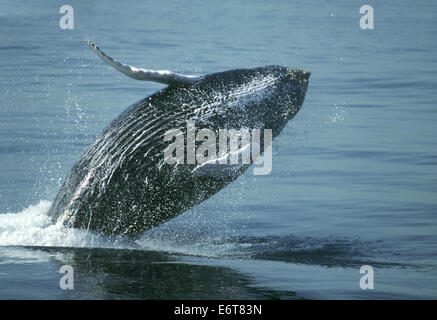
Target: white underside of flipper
[223,167]
[161,76]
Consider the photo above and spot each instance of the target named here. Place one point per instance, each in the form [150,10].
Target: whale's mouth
[299,74]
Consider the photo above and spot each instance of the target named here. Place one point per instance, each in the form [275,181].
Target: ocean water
[354,179]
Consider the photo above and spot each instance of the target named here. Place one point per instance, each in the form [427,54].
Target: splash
[338,114]
[32,227]
[191,235]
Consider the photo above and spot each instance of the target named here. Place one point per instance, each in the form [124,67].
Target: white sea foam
[33,227]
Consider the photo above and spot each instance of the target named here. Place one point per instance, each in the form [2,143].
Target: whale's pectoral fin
[161,76]
[224,167]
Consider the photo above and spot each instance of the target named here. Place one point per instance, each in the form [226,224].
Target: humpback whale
[122,183]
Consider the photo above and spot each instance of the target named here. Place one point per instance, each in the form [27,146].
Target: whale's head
[265,97]
[284,98]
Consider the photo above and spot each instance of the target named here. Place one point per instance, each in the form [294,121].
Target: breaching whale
[122,183]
